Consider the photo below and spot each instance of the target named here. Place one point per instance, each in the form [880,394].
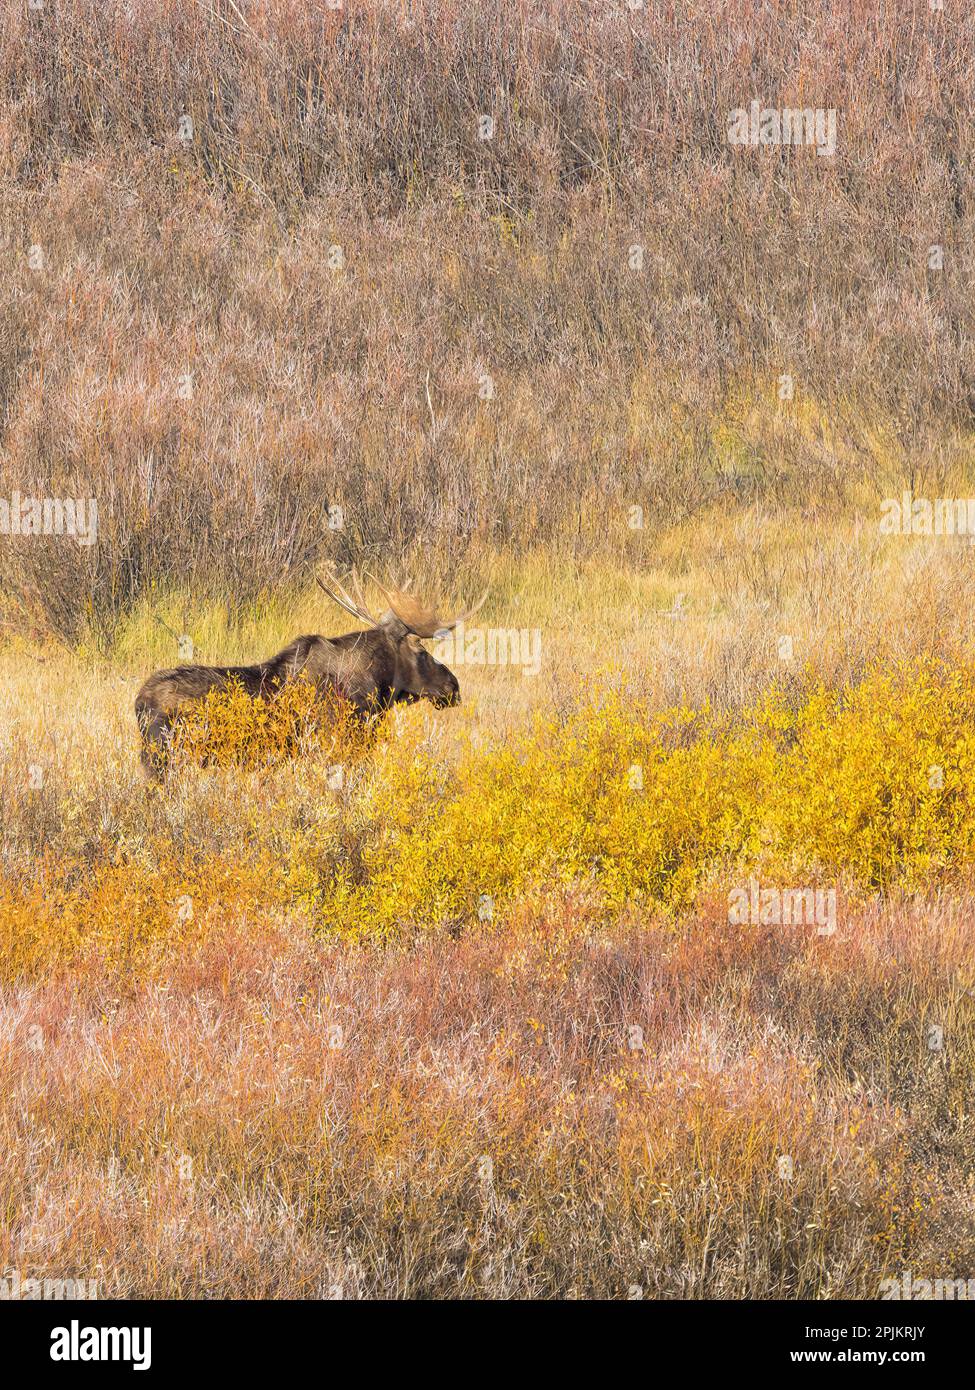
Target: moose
[369,670]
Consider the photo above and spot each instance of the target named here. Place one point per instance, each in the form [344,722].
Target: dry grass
[543,1111]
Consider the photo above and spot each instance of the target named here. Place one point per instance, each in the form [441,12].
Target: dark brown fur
[371,670]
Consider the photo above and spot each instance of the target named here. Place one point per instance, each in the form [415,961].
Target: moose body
[370,671]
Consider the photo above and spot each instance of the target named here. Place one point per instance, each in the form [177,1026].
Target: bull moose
[371,671]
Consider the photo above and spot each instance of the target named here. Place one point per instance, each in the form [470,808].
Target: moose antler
[422,621]
[356,606]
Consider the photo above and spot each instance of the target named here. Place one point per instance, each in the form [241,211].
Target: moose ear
[413,642]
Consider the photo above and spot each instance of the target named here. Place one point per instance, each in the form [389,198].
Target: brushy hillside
[260,265]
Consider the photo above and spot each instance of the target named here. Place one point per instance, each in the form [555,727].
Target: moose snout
[450,696]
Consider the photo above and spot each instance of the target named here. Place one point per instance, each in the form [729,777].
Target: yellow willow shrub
[601,798]
[127,915]
[231,727]
[880,783]
[871,785]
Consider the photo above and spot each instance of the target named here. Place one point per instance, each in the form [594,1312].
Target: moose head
[402,629]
